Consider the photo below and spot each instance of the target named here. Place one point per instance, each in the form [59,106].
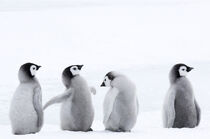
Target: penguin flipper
[169,109]
[198,110]
[37,103]
[93,90]
[58,99]
[109,107]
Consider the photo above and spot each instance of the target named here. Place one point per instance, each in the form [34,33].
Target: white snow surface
[141,39]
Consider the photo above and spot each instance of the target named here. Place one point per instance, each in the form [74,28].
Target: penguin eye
[183,69]
[105,80]
[74,68]
[33,67]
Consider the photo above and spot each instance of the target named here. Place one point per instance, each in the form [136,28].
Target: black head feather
[110,76]
[26,69]
[67,74]
[174,73]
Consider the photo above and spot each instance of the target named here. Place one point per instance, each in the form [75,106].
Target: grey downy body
[26,113]
[181,108]
[77,111]
[120,104]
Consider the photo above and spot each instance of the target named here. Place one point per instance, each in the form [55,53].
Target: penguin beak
[189,69]
[38,67]
[103,84]
[80,67]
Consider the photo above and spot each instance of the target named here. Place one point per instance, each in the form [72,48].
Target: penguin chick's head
[28,71]
[109,77]
[179,70]
[70,72]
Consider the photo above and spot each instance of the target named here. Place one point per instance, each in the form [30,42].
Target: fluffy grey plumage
[77,111]
[180,107]
[120,104]
[26,113]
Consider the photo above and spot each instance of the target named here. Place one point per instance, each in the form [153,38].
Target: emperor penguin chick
[77,111]
[120,104]
[26,113]
[181,109]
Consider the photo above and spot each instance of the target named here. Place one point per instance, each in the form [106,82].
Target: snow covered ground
[140,39]
[148,127]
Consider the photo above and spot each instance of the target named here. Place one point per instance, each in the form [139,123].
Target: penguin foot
[123,130]
[90,129]
[118,130]
[113,130]
[18,133]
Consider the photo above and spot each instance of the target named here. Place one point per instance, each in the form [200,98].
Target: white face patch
[183,71]
[33,70]
[107,81]
[74,70]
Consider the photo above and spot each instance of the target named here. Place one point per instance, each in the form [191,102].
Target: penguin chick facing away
[121,103]
[180,108]
[26,113]
[77,111]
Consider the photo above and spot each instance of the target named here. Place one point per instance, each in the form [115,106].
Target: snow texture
[142,40]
